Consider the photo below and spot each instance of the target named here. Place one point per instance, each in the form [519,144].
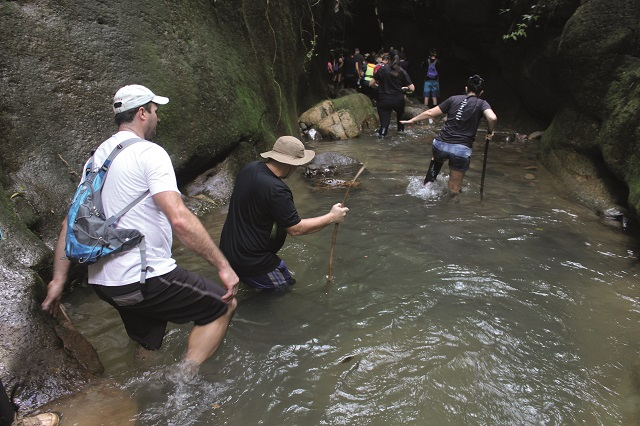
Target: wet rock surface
[341,118]
[330,164]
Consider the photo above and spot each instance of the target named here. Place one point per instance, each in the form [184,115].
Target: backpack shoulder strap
[117,150]
[110,221]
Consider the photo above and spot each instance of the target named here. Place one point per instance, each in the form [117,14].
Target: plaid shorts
[279,278]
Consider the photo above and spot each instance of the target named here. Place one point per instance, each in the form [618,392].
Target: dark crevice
[618,189]
[197,165]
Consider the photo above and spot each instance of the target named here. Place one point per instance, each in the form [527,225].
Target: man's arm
[314,224]
[61,267]
[195,237]
[492,119]
[430,113]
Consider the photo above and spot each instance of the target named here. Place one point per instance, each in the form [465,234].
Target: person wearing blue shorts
[431,88]
[455,140]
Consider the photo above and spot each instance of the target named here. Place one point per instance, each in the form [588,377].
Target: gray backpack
[90,235]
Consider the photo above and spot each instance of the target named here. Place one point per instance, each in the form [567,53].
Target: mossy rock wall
[594,139]
[232,70]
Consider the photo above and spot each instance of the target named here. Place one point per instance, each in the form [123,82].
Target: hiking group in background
[387,90]
[354,70]
[387,83]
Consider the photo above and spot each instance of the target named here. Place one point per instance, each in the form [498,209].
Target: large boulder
[341,118]
[214,187]
[40,357]
[593,142]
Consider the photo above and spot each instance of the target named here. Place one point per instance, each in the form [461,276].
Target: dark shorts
[279,278]
[459,155]
[179,296]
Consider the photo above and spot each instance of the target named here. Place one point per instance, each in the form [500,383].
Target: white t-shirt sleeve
[158,170]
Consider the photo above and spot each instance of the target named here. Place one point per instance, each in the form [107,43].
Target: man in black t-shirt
[458,132]
[351,72]
[262,213]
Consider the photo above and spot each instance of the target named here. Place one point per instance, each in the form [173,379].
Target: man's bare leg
[204,340]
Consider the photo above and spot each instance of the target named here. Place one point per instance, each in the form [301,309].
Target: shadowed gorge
[240,73]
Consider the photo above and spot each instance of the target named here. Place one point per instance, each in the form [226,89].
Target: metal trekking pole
[484,167]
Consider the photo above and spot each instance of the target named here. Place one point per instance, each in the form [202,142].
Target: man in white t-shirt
[170,293]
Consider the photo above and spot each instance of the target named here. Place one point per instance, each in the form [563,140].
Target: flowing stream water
[522,309]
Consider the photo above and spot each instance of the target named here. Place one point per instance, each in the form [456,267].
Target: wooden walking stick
[335,228]
[484,167]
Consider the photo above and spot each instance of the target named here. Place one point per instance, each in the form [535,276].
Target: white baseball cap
[135,95]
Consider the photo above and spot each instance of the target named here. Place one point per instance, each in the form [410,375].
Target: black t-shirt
[390,86]
[360,60]
[463,116]
[260,210]
[350,67]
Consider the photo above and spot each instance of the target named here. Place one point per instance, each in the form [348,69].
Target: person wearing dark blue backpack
[165,292]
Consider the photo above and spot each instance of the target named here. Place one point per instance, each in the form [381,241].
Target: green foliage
[313,42]
[522,22]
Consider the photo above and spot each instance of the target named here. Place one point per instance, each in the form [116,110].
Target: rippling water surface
[523,309]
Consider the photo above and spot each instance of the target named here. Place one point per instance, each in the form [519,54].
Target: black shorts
[179,296]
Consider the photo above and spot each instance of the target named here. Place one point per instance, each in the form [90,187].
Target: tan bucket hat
[289,150]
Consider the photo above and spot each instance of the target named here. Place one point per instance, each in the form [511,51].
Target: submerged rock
[330,183]
[535,136]
[327,164]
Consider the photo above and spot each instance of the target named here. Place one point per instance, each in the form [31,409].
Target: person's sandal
[44,419]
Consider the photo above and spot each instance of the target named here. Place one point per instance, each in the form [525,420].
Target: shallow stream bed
[522,309]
